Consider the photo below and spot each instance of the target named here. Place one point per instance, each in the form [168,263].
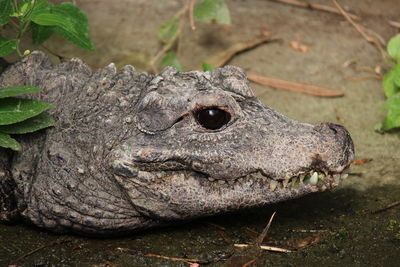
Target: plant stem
[27,14]
[22,30]
[18,51]
[170,43]
[15,5]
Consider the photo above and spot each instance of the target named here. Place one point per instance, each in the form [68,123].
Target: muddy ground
[348,233]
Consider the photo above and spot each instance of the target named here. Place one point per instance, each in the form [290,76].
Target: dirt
[349,233]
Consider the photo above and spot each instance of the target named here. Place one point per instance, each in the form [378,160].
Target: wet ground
[344,228]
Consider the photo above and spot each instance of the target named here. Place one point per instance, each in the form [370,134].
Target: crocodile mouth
[315,179]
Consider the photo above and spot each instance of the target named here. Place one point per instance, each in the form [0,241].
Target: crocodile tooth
[211,179]
[221,181]
[314,178]
[272,185]
[344,175]
[285,183]
[301,178]
[292,182]
[240,180]
[231,182]
[295,181]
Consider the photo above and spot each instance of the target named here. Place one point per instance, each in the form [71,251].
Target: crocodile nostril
[333,127]
[329,128]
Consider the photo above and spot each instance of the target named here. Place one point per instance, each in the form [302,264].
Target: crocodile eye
[212,118]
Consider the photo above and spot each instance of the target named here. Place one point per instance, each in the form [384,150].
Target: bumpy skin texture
[128,152]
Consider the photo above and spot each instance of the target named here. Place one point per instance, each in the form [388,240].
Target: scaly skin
[129,151]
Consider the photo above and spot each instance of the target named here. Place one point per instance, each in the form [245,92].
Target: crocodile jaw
[158,195]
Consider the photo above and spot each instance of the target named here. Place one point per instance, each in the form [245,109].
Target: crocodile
[132,150]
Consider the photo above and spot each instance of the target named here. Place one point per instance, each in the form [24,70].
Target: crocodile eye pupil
[212,118]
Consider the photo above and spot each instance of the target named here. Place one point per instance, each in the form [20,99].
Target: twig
[394,23]
[249,263]
[226,238]
[219,227]
[371,40]
[377,37]
[391,205]
[263,234]
[191,19]
[360,79]
[170,43]
[220,59]
[358,28]
[263,247]
[310,89]
[315,6]
[251,231]
[163,51]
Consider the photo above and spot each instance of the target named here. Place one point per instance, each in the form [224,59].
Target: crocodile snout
[337,141]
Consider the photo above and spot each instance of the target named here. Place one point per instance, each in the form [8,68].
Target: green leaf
[393,47]
[170,60]
[49,19]
[5,11]
[69,21]
[169,28]
[392,119]
[41,121]
[390,81]
[14,110]
[41,6]
[24,7]
[210,11]
[8,142]
[206,66]
[41,33]
[396,78]
[18,90]
[7,46]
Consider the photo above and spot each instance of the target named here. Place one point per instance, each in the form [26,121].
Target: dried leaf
[294,86]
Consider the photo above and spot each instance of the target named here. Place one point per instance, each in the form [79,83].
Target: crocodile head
[132,150]
[206,144]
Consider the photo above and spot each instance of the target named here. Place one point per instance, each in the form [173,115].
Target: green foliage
[43,19]
[41,33]
[392,119]
[209,11]
[7,141]
[169,28]
[391,81]
[41,121]
[393,47]
[206,11]
[17,90]
[391,86]
[14,110]
[67,20]
[20,116]
[206,66]
[6,9]
[7,46]
[170,60]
